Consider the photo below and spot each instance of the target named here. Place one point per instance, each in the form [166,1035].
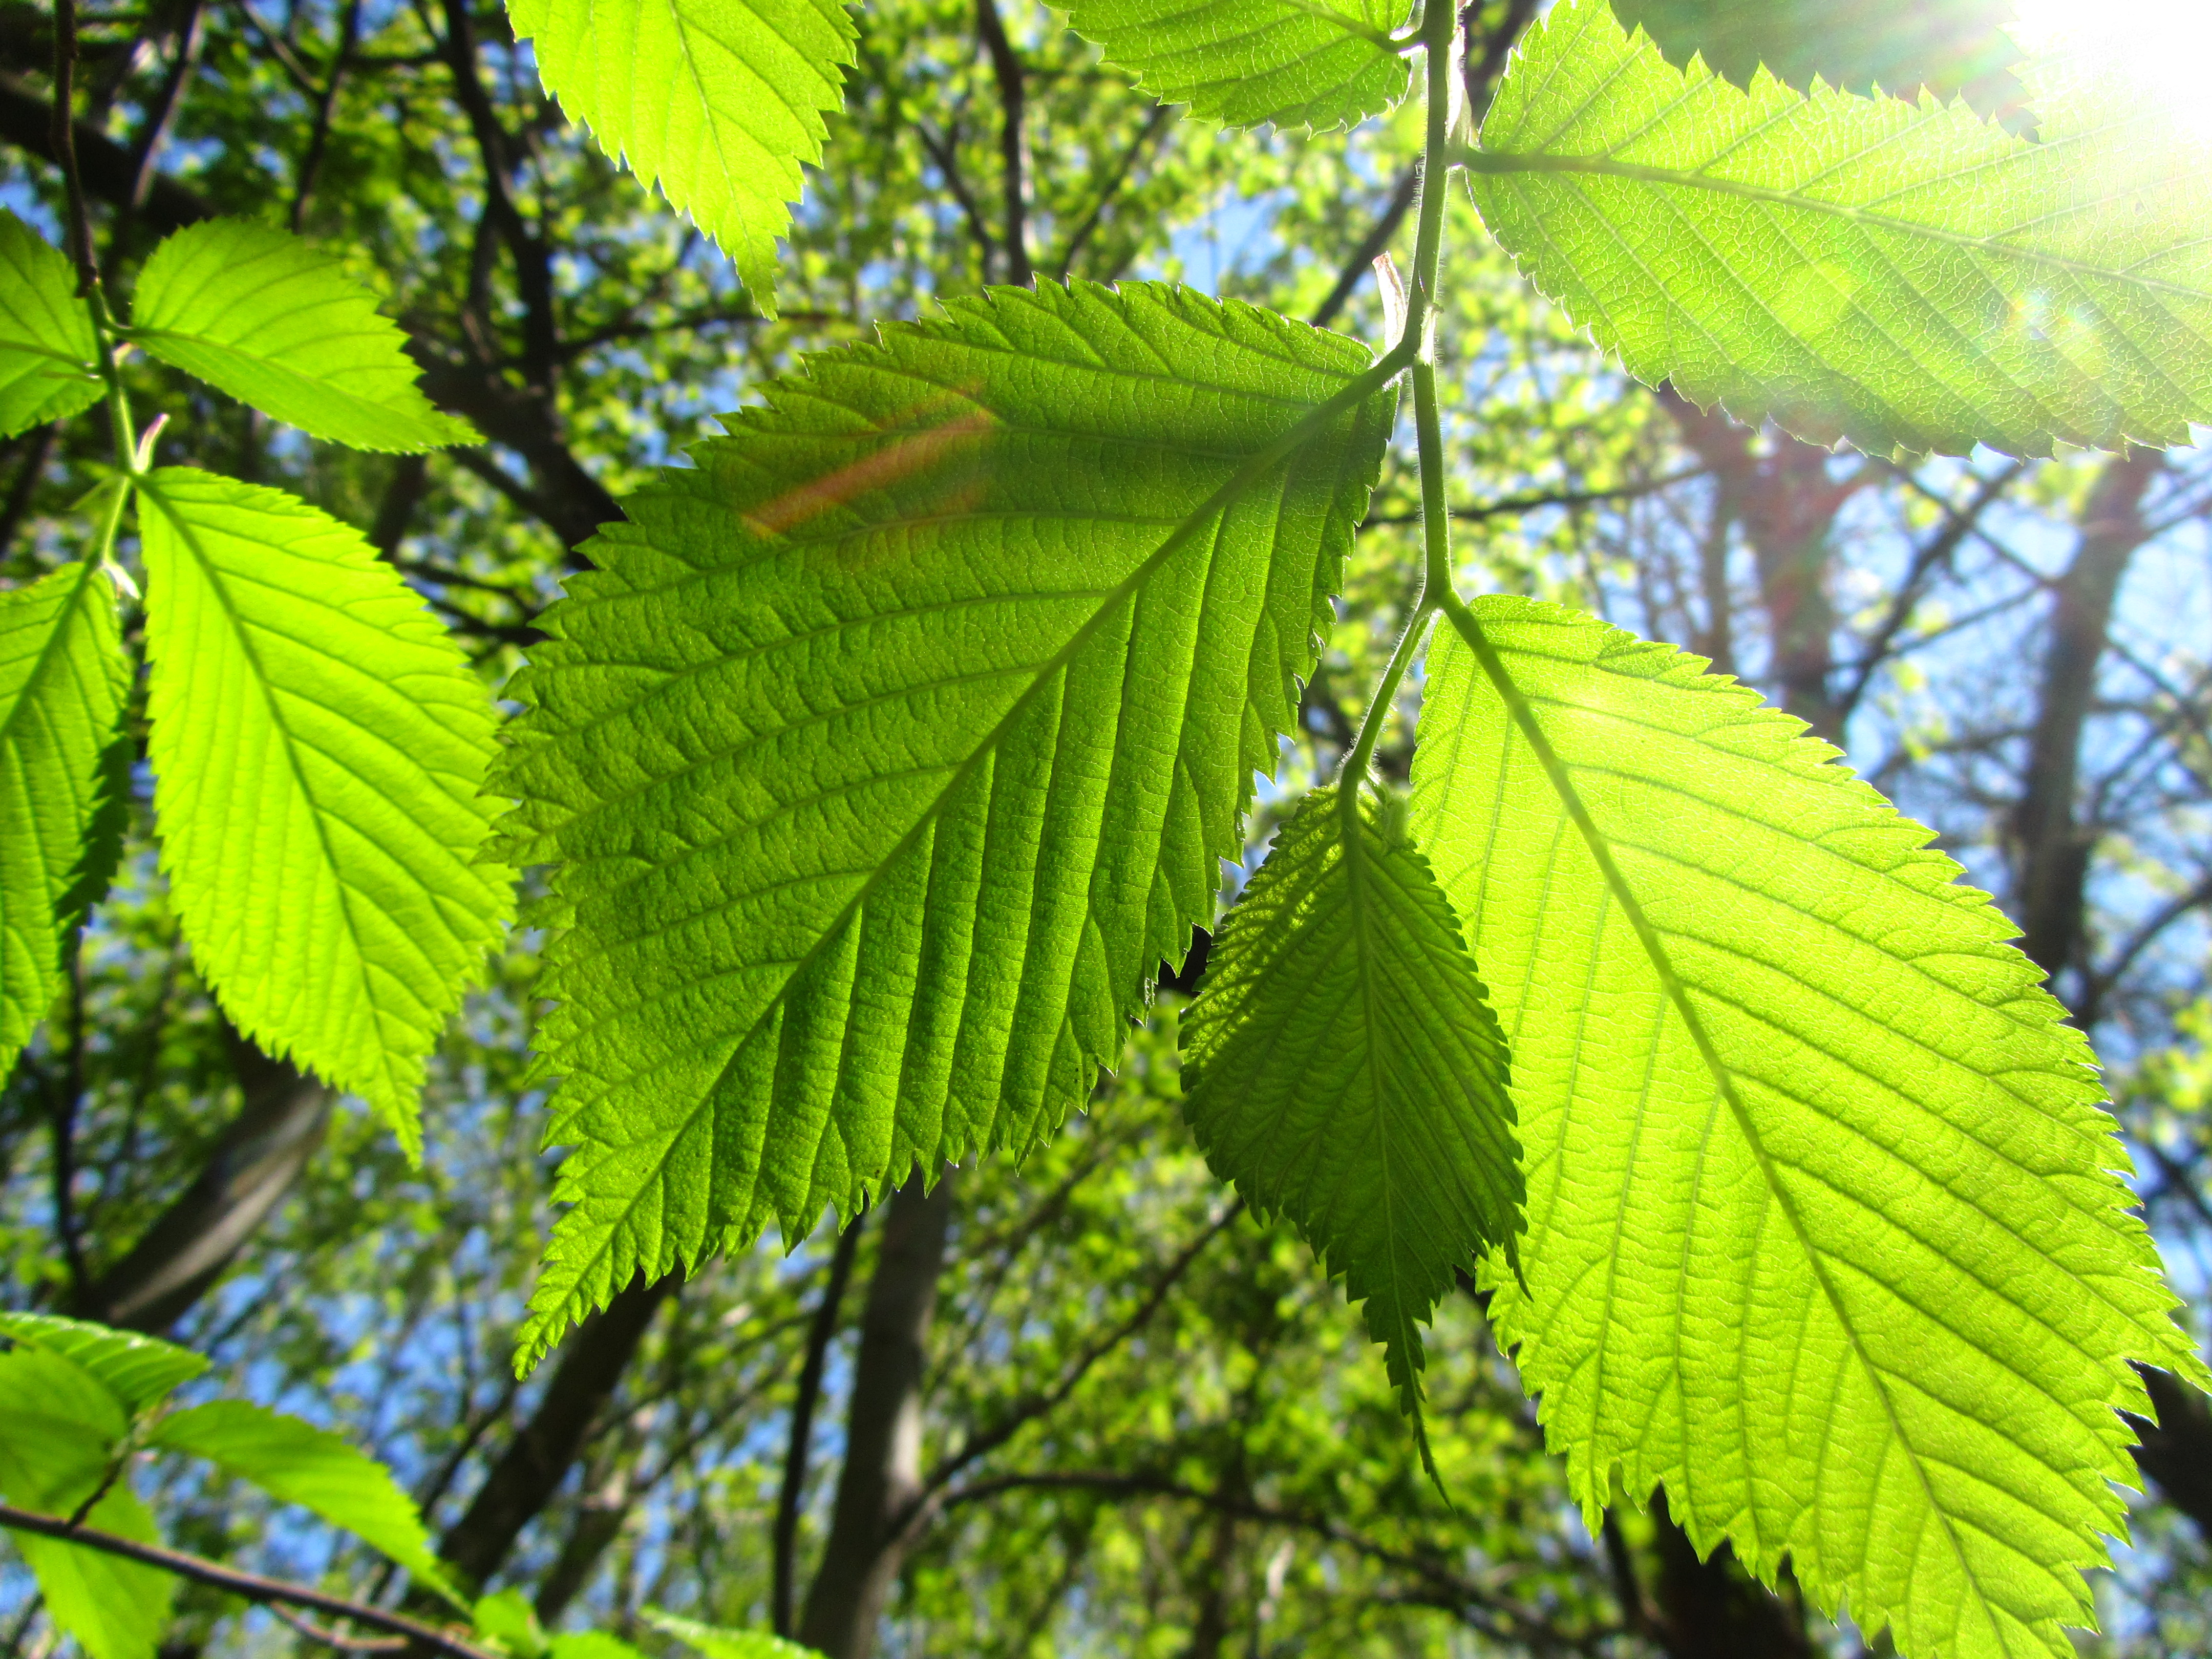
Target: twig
[1535,500]
[252,1587]
[330,1639]
[62,137]
[1378,238]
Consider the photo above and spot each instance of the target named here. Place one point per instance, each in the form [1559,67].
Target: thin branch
[330,1639]
[62,138]
[2102,982]
[311,164]
[1155,124]
[252,1587]
[1378,238]
[784,1602]
[1536,501]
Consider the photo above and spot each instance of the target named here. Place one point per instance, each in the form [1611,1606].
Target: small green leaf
[1825,1229]
[507,1621]
[1342,1066]
[1908,278]
[138,1370]
[718,1644]
[1317,64]
[889,748]
[296,1462]
[59,1427]
[260,315]
[64,773]
[319,745]
[48,352]
[1897,46]
[715,102]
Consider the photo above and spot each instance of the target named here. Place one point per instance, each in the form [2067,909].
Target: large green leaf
[1343,1068]
[47,349]
[890,747]
[59,1425]
[296,1462]
[1907,278]
[1898,46]
[319,744]
[1318,63]
[1824,1230]
[62,770]
[716,102]
[138,1369]
[259,313]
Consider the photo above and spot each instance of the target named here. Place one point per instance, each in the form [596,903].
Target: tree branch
[1014,143]
[784,1600]
[251,1587]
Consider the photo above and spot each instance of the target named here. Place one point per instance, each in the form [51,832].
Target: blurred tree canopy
[1084,1405]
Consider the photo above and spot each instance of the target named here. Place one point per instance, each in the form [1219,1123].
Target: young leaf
[1896,46]
[715,103]
[889,748]
[263,316]
[1824,1230]
[47,349]
[62,682]
[1343,1068]
[1317,64]
[318,744]
[1909,278]
[296,1462]
[716,1643]
[59,1425]
[138,1369]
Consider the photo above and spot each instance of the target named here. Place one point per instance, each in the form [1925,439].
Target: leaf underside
[1316,64]
[1861,1288]
[65,778]
[260,315]
[138,1369]
[47,349]
[1951,47]
[715,102]
[296,1462]
[319,744]
[1909,278]
[1342,1066]
[889,750]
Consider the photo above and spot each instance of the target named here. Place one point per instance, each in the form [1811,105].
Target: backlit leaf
[138,1369]
[47,349]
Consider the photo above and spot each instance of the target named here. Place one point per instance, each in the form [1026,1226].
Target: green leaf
[296,1462]
[319,745]
[138,1370]
[62,770]
[1909,278]
[890,749]
[1342,1067]
[507,1621]
[715,102]
[1317,64]
[263,316]
[59,1427]
[718,1644]
[1824,1230]
[47,348]
[1897,46]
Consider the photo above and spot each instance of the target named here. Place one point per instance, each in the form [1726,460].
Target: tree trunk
[253,1164]
[1713,1609]
[871,1531]
[531,1470]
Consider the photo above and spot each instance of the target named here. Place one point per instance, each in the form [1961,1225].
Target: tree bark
[253,1164]
[878,1490]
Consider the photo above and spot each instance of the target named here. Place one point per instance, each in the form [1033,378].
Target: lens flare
[2165,47]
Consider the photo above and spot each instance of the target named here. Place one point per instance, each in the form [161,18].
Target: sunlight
[2165,45]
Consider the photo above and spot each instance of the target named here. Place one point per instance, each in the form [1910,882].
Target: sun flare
[2163,46]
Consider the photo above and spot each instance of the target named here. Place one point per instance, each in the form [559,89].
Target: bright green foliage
[296,1462]
[318,744]
[59,1425]
[1845,1262]
[47,349]
[718,1644]
[888,751]
[1908,278]
[138,1371]
[62,681]
[716,102]
[1342,1067]
[1898,46]
[1318,63]
[262,315]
